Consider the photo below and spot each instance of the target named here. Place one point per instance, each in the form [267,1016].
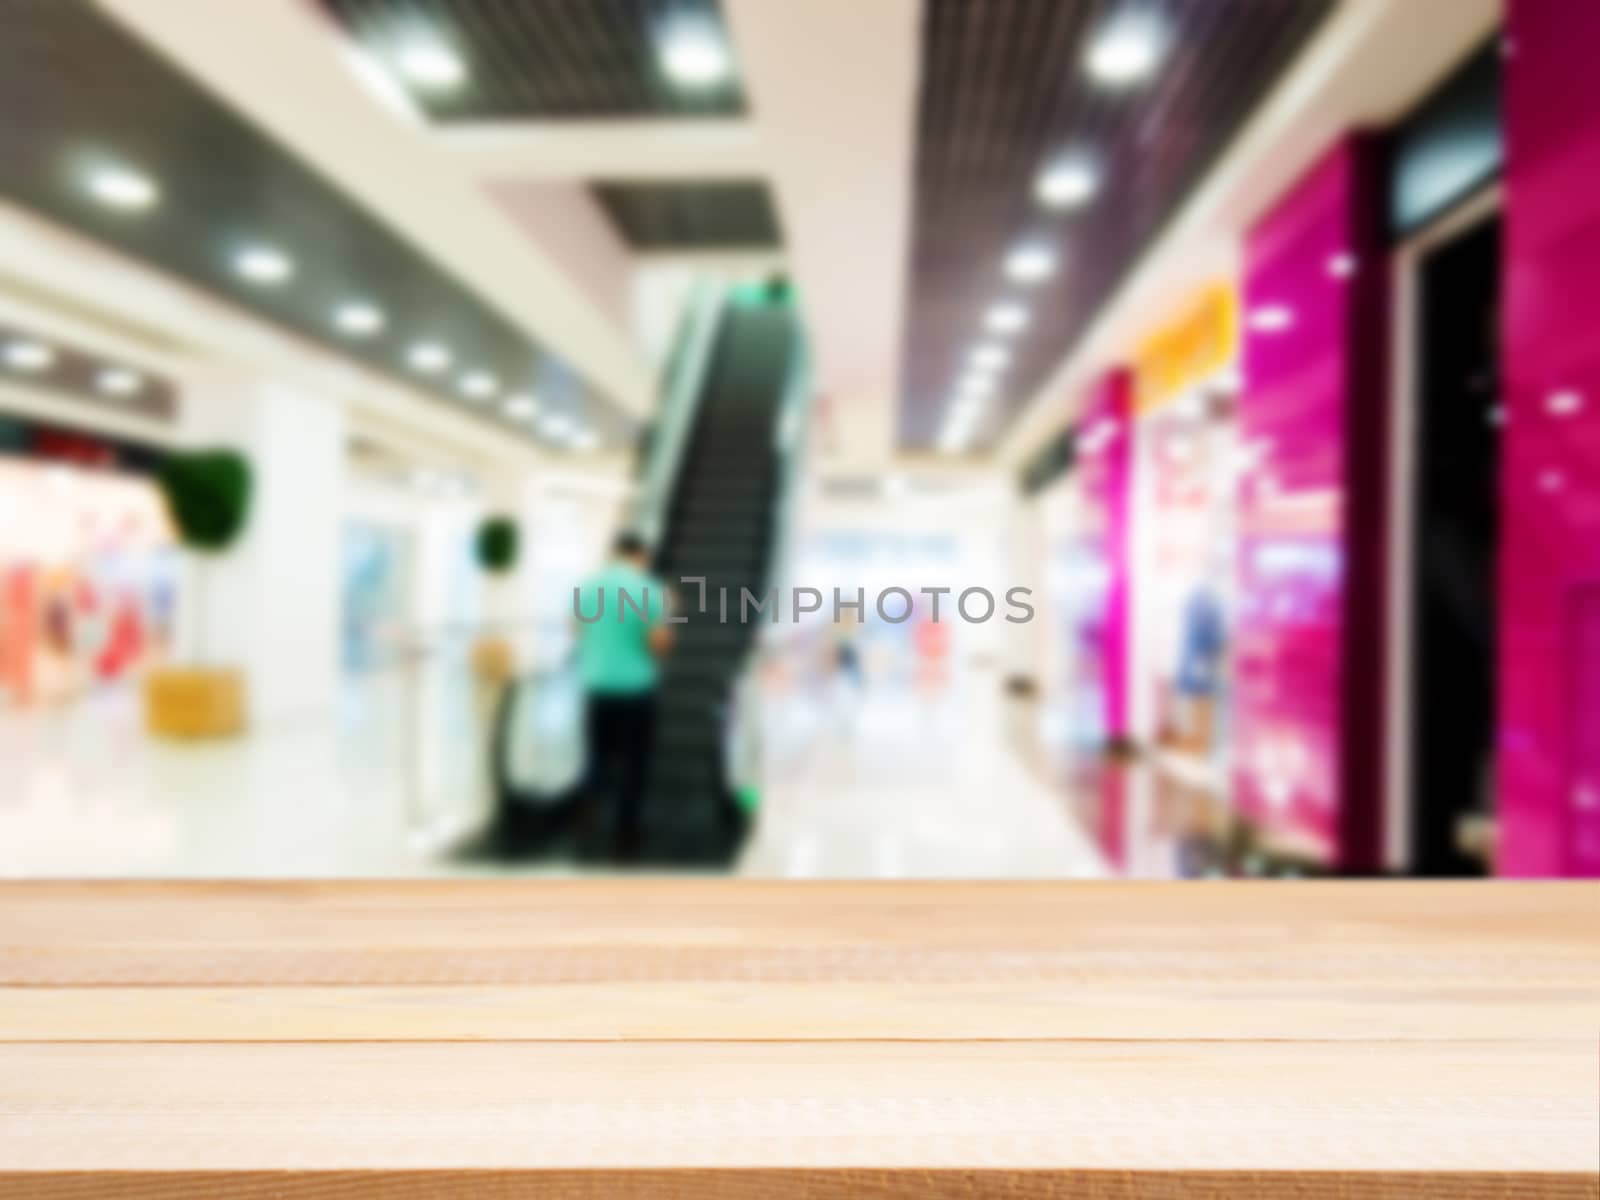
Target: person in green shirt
[623,634]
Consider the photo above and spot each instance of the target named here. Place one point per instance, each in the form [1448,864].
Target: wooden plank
[1062,1106]
[1359,1009]
[367,933]
[848,1183]
[708,1038]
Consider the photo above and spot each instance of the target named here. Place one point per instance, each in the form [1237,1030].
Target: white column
[270,604]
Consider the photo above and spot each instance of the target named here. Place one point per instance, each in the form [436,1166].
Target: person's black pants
[620,735]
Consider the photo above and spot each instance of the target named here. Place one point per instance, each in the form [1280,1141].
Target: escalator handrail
[682,389]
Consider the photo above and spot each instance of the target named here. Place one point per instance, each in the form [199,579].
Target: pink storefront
[1307,657]
[1549,731]
[1318,763]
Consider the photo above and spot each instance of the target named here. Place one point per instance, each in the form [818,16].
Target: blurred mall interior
[1169,429]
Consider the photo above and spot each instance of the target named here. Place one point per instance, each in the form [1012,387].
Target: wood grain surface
[725,1039]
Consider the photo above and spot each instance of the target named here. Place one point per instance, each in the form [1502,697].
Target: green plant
[498,544]
[208,495]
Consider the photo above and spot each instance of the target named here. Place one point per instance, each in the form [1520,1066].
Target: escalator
[712,495]
[720,527]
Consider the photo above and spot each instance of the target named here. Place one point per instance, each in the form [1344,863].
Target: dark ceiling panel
[75,88]
[543,58]
[1004,92]
[690,216]
[89,377]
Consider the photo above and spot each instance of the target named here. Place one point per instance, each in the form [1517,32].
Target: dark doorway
[1456,516]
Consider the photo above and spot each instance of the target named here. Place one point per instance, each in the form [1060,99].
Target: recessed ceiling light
[976,384]
[122,187]
[263,264]
[556,425]
[1271,318]
[358,318]
[479,385]
[1031,262]
[694,53]
[957,433]
[1007,318]
[584,440]
[953,441]
[520,407]
[118,381]
[428,357]
[1127,50]
[29,356]
[430,66]
[1068,183]
[990,357]
[1564,403]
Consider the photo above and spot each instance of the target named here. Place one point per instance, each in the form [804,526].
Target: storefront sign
[1193,348]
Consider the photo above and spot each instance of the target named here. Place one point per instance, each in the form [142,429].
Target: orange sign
[1190,350]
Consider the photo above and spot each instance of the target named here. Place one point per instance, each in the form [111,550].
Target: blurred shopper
[847,650]
[622,636]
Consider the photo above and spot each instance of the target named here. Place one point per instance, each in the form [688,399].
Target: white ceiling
[831,84]
[1372,62]
[832,92]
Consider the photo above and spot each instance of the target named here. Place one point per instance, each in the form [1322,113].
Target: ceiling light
[990,357]
[1067,184]
[118,381]
[263,264]
[428,357]
[1031,262]
[952,443]
[1564,403]
[976,384]
[1007,318]
[584,440]
[29,356]
[358,319]
[956,435]
[479,385]
[1126,51]
[519,408]
[122,187]
[694,54]
[1271,318]
[431,66]
[556,425]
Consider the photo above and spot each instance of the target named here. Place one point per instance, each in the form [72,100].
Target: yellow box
[194,702]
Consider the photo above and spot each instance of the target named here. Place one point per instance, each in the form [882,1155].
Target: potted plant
[498,545]
[208,496]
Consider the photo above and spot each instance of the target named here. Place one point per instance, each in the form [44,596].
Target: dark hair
[629,545]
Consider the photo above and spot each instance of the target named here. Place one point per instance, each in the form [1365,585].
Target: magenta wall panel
[1548,759]
[1105,482]
[1103,617]
[1312,420]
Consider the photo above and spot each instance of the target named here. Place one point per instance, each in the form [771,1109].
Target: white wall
[271,603]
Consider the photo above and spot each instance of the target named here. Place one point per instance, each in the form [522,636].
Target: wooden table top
[730,1039]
